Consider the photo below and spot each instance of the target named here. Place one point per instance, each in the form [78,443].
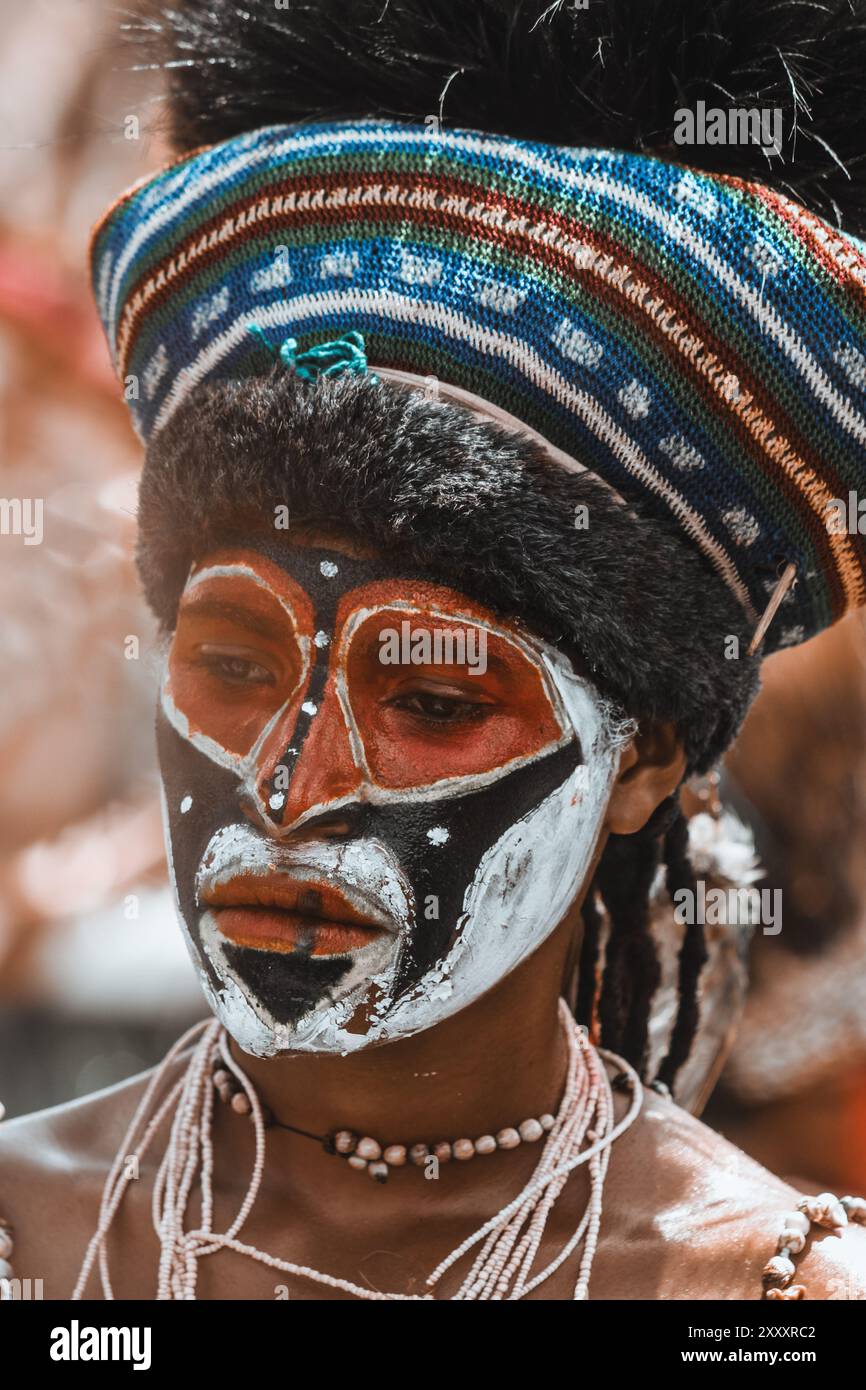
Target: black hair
[621,1000]
[611,73]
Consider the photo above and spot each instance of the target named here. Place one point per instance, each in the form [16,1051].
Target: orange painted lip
[277,913]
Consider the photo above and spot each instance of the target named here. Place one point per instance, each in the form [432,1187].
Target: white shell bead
[825,1210]
[780,1269]
[792,1240]
[855,1208]
[796,1221]
[507,1138]
[369,1148]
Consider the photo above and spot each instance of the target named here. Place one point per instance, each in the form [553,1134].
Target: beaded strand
[7,1246]
[509,1241]
[831,1212]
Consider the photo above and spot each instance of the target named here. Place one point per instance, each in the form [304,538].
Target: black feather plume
[611,74]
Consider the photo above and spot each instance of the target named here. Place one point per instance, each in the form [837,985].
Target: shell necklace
[506,1246]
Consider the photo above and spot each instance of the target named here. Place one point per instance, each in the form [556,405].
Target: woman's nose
[307,769]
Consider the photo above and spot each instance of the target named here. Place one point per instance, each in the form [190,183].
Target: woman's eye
[235,670]
[440,709]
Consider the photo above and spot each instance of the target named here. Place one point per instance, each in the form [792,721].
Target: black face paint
[461,867]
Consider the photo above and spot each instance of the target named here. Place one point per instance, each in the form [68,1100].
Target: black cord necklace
[366,1154]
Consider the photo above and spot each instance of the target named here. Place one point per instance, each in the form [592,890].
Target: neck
[498,1062]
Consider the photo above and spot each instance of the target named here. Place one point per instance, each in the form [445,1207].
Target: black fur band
[469,504]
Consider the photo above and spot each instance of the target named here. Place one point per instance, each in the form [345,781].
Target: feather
[612,74]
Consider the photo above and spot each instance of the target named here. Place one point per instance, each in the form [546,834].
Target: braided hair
[623,885]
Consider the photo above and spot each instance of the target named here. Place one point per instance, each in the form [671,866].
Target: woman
[479,467]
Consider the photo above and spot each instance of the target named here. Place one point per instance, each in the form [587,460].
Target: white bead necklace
[508,1243]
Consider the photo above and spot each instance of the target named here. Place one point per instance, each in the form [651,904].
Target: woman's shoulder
[716,1218]
[77,1133]
[53,1165]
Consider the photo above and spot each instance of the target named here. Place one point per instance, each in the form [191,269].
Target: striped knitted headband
[697,341]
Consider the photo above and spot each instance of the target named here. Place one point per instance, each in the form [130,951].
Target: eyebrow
[495,664]
[236,613]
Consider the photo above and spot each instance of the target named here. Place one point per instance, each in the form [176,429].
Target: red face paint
[423,721]
[408,702]
[240,650]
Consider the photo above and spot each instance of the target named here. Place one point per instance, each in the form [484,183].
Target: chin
[276,1002]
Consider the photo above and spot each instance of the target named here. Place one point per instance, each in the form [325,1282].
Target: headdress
[697,341]
[693,338]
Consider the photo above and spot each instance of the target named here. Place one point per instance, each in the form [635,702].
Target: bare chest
[633,1261]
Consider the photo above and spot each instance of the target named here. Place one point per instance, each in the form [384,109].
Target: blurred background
[94,979]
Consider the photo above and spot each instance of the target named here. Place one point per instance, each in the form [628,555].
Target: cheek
[529,879]
[199,795]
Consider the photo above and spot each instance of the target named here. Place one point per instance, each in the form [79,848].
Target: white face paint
[527,880]
[367,876]
[443,883]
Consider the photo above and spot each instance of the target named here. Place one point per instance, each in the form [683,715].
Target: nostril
[252,811]
[330,825]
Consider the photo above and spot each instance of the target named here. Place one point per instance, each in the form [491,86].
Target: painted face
[379,798]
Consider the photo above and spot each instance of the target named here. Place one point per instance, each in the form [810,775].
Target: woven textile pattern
[697,341]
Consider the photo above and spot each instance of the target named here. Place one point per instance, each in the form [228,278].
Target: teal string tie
[346,354]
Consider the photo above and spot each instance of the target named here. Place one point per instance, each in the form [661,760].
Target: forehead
[322,583]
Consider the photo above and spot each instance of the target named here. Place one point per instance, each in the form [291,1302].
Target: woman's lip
[269,929]
[309,899]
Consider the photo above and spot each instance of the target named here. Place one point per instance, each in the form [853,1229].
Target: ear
[651,768]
